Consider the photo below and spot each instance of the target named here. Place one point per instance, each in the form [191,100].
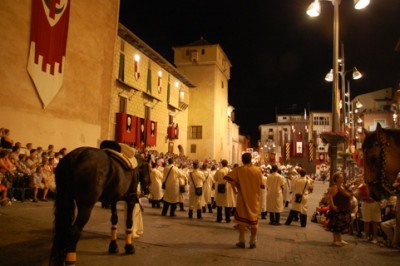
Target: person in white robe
[275,183]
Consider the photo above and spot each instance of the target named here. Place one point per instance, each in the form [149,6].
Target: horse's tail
[64,212]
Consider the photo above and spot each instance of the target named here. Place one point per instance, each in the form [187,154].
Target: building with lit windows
[103,82]
[211,128]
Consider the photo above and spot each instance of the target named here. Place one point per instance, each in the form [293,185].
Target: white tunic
[171,192]
[156,193]
[227,199]
[299,185]
[196,179]
[275,183]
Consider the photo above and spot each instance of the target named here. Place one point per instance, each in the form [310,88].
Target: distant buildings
[295,138]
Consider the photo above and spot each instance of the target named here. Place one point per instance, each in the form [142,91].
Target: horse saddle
[126,157]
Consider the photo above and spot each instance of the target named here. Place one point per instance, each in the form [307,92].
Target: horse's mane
[372,137]
[394,134]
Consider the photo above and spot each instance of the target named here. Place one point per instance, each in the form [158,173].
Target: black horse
[85,176]
[381,150]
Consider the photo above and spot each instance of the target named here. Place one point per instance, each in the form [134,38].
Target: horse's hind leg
[81,220]
[113,246]
[129,248]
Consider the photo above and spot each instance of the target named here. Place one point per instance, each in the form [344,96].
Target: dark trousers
[166,207]
[155,203]
[228,211]
[294,214]
[274,218]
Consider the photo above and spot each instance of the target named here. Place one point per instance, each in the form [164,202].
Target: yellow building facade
[211,130]
[147,86]
[111,75]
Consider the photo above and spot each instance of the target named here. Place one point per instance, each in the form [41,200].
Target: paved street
[26,230]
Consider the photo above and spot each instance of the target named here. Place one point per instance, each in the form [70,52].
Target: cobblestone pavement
[26,230]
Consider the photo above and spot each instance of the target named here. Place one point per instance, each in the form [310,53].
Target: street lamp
[347,115]
[333,138]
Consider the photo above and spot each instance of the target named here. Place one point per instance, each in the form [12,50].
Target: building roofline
[135,41]
[202,42]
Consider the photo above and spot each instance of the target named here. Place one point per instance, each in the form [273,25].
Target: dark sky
[279,55]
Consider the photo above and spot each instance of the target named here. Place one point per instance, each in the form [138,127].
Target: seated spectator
[39,182]
[40,153]
[6,166]
[27,149]
[32,160]
[50,149]
[14,154]
[3,190]
[21,165]
[48,170]
[6,141]
[8,170]
[57,158]
[388,225]
[63,152]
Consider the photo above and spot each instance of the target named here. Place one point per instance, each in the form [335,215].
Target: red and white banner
[49,31]
[125,128]
[151,133]
[141,133]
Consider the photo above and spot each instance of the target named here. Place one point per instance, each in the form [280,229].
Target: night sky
[279,55]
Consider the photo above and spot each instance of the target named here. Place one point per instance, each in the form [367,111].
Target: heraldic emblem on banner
[49,30]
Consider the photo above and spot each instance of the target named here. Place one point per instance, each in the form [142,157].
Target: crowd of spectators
[26,171]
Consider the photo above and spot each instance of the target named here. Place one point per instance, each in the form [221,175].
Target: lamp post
[347,115]
[357,122]
[333,138]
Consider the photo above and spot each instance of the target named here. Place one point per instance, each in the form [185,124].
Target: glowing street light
[333,138]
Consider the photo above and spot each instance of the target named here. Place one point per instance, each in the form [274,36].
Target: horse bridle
[381,179]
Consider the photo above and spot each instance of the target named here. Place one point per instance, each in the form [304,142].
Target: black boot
[219,214]
[199,214]
[264,215]
[296,217]
[289,219]
[204,209]
[209,208]
[173,209]
[158,204]
[165,208]
[181,208]
[190,214]
[228,212]
[271,218]
[303,220]
[277,218]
